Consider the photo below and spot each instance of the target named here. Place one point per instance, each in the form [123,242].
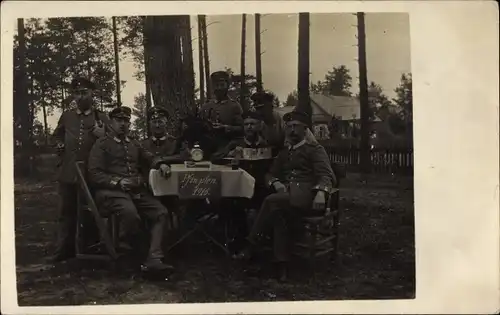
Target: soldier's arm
[149,160]
[98,175]
[237,119]
[325,178]
[276,170]
[222,153]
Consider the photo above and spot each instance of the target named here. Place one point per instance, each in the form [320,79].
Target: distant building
[344,129]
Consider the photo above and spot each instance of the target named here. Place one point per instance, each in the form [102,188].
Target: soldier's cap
[81,82]
[297,116]
[252,115]
[261,98]
[220,76]
[121,112]
[158,112]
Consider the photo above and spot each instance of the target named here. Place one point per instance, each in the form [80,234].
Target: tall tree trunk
[363,97]
[258,53]
[147,79]
[164,64]
[89,64]
[200,61]
[304,101]
[242,62]
[45,124]
[187,60]
[206,56]
[22,92]
[117,64]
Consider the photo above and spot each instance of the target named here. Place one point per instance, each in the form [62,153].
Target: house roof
[344,107]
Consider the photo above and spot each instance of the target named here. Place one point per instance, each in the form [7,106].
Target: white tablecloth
[234,183]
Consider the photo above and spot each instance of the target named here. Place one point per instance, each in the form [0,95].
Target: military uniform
[113,159]
[273,130]
[224,111]
[304,169]
[75,133]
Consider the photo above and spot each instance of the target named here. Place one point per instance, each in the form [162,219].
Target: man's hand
[126,184]
[99,130]
[319,201]
[279,187]
[165,170]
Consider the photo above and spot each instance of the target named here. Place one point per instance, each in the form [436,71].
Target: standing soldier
[274,127]
[225,113]
[302,178]
[115,165]
[273,130]
[77,130]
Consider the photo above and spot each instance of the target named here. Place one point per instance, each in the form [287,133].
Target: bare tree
[117,63]
[243,59]
[258,53]
[200,60]
[304,101]
[206,56]
[363,97]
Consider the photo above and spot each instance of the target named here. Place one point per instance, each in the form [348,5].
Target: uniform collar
[259,141]
[160,139]
[79,111]
[127,139]
[296,146]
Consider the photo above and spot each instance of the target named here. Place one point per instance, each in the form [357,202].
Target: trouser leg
[270,207]
[67,220]
[155,212]
[128,217]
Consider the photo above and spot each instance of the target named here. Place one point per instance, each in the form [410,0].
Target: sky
[332,43]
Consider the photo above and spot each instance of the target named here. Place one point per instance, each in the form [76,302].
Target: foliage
[139,126]
[59,49]
[404,96]
[292,99]
[133,42]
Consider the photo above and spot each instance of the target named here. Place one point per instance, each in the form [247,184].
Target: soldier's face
[158,125]
[120,125]
[83,96]
[220,88]
[295,131]
[251,127]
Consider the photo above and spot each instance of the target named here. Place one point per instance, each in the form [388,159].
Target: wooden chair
[320,234]
[108,227]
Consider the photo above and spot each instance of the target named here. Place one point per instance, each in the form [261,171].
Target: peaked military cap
[157,112]
[220,76]
[297,116]
[252,115]
[261,98]
[81,82]
[121,112]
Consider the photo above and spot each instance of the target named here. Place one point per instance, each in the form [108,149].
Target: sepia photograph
[182,157]
[137,174]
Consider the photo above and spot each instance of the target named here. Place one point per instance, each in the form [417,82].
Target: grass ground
[376,257]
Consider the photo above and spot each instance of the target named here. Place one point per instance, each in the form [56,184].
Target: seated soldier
[273,130]
[256,165]
[160,143]
[114,169]
[301,177]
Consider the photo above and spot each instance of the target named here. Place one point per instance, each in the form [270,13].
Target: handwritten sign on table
[199,184]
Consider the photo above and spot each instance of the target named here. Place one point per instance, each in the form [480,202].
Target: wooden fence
[382,160]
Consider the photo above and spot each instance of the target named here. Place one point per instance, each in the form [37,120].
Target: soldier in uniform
[115,165]
[161,143]
[253,124]
[274,128]
[225,113]
[77,130]
[301,177]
